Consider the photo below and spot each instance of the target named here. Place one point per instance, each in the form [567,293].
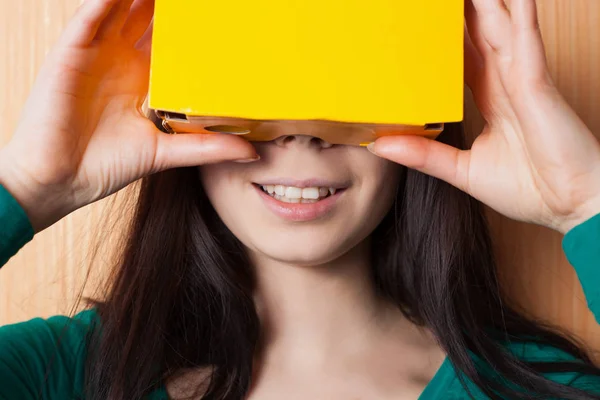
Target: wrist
[583,213]
[41,205]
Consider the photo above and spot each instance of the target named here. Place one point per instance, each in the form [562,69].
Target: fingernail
[371,147]
[247,160]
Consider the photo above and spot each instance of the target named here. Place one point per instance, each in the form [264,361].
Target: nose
[302,140]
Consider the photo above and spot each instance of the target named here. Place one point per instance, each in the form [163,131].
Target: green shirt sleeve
[45,358]
[15,228]
[39,358]
[582,248]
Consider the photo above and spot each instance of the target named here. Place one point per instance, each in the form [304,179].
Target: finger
[144,45]
[84,26]
[487,84]
[138,20]
[115,20]
[524,14]
[489,23]
[428,156]
[474,29]
[529,46]
[187,150]
[473,62]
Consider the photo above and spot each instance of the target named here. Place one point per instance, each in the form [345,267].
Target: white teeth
[310,193]
[280,190]
[288,200]
[292,194]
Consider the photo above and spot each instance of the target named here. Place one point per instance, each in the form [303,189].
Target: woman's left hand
[535,160]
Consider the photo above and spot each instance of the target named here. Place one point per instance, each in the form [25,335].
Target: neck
[322,310]
[323,326]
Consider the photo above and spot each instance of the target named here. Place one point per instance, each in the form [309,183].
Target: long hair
[181,294]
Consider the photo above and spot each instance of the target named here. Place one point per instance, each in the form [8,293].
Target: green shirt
[33,365]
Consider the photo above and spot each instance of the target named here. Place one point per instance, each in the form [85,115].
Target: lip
[299,212]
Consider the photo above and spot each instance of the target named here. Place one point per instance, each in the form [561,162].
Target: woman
[234,284]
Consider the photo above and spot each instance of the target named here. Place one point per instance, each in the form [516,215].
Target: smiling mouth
[292,194]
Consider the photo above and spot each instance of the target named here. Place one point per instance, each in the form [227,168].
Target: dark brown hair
[181,294]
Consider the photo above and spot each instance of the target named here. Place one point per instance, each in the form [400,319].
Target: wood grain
[45,277]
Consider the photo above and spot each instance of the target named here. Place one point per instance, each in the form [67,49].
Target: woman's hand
[82,135]
[535,160]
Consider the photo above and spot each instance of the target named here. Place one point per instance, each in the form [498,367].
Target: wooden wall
[45,277]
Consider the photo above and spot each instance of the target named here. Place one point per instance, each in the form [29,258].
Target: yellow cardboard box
[345,70]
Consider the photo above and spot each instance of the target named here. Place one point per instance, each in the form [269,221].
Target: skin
[326,333]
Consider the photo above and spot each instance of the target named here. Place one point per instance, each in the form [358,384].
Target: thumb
[427,156]
[191,149]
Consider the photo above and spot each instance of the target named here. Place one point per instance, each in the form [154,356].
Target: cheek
[379,182]
[219,180]
[209,177]
[222,184]
[388,185]
[232,196]
[380,179]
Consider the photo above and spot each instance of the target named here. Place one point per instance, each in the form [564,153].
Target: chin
[301,247]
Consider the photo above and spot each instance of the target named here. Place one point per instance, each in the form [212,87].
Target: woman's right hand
[82,135]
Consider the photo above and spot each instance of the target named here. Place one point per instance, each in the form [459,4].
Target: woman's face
[320,200]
